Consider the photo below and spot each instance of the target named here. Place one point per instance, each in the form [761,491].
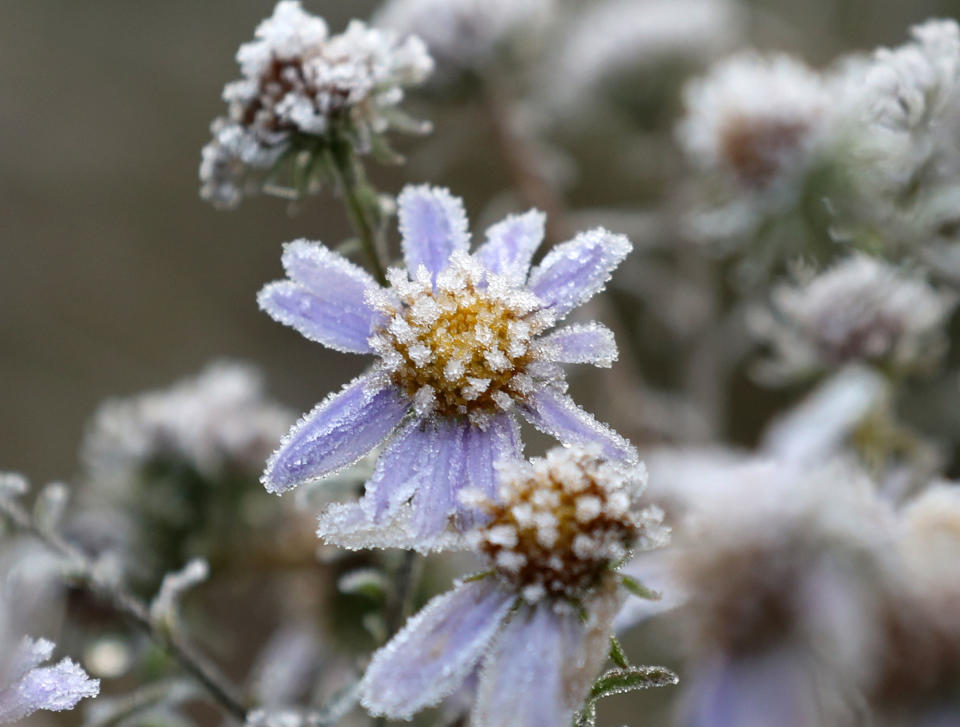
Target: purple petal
[500,441]
[557,415]
[589,343]
[338,432]
[442,473]
[511,243]
[523,681]
[436,650]
[325,298]
[29,654]
[433,225]
[53,688]
[575,271]
[397,474]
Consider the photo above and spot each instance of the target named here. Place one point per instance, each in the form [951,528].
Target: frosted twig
[85,571]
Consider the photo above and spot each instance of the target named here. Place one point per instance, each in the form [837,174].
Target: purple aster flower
[537,625]
[463,345]
[26,687]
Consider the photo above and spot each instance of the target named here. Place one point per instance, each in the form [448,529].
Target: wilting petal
[339,430]
[756,691]
[325,298]
[575,271]
[557,415]
[511,243]
[523,681]
[53,688]
[432,226]
[589,343]
[436,650]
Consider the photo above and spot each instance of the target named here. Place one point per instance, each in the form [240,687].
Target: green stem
[354,187]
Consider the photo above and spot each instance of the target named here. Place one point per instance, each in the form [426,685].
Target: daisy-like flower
[300,85]
[462,345]
[465,34]
[862,310]
[755,118]
[537,624]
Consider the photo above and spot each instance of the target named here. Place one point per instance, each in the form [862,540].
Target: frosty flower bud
[561,522]
[861,310]
[755,118]
[303,90]
[466,34]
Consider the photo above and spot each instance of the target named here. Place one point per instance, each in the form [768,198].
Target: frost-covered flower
[783,568]
[756,118]
[861,310]
[300,87]
[537,625]
[465,34]
[26,686]
[617,37]
[170,473]
[462,344]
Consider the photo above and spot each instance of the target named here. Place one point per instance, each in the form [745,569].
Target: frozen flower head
[174,470]
[462,346]
[755,118]
[537,626]
[861,310]
[26,686]
[302,90]
[466,35]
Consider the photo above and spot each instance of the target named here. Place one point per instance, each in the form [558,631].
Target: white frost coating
[164,607]
[511,243]
[757,118]
[433,225]
[297,79]
[590,343]
[436,650]
[861,310]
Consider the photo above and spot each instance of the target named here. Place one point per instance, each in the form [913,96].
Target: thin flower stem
[354,188]
[201,669]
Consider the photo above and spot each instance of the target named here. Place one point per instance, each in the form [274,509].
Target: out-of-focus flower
[861,310]
[622,37]
[461,344]
[301,87]
[538,625]
[757,119]
[784,568]
[168,468]
[466,35]
[26,686]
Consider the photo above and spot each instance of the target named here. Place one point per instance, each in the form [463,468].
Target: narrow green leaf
[617,656]
[638,589]
[618,681]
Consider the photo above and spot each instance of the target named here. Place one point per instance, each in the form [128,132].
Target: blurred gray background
[115,276]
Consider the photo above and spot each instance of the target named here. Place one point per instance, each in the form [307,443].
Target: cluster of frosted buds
[757,119]
[466,35]
[561,522]
[861,310]
[537,628]
[301,88]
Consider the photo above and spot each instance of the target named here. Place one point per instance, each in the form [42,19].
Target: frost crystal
[26,686]
[299,86]
[461,347]
[861,310]
[465,34]
[755,118]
